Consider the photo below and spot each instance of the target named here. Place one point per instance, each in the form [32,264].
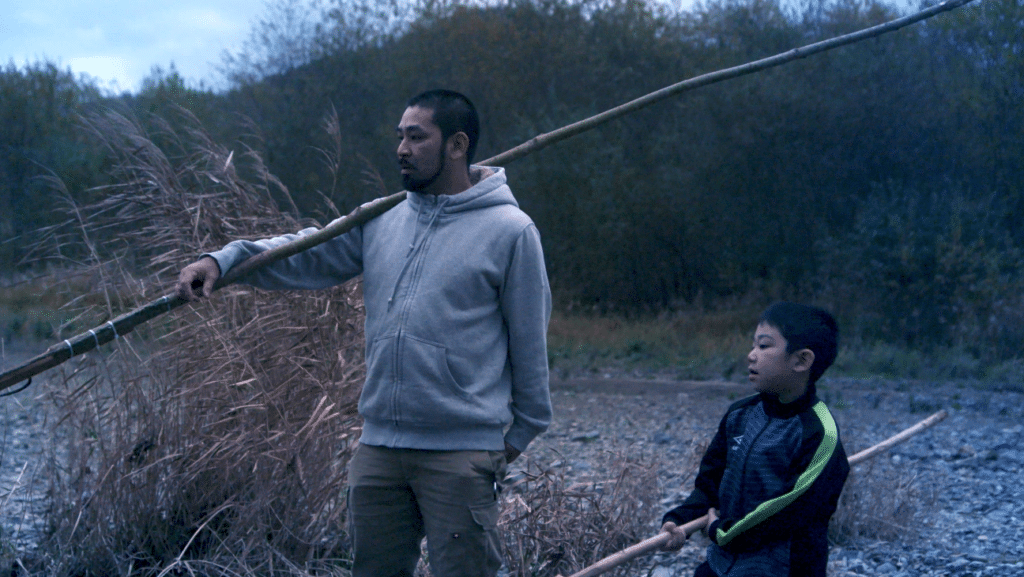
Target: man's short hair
[452,112]
[806,327]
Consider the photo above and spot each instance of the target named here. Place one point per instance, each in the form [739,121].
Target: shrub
[927,269]
[218,444]
[1008,374]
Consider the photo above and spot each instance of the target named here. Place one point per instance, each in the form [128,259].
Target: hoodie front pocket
[375,400]
[430,394]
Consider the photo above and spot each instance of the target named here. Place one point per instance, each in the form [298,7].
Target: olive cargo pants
[398,496]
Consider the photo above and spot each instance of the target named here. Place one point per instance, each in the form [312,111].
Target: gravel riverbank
[948,502]
[955,491]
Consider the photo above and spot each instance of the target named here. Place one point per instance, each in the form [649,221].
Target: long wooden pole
[538,142]
[898,438]
[127,322]
[123,324]
[658,541]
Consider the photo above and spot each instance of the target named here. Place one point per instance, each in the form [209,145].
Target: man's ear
[801,361]
[457,145]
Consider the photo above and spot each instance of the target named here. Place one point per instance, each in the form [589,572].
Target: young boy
[771,478]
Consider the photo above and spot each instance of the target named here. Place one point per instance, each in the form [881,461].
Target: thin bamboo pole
[61,352]
[654,543]
[538,142]
[127,322]
[898,438]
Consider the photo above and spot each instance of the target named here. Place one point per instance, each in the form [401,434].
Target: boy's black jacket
[757,457]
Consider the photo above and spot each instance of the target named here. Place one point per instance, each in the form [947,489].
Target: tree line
[881,180]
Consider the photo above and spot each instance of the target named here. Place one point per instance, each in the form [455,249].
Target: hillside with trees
[881,180]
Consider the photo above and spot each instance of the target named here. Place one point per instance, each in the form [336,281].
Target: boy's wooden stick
[656,542]
[122,325]
[897,438]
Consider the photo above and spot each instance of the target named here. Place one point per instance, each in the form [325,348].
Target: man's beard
[413,184]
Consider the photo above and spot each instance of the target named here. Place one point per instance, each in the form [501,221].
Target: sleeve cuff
[519,438]
[224,258]
[713,530]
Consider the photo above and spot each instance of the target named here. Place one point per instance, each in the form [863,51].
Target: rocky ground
[948,502]
[22,437]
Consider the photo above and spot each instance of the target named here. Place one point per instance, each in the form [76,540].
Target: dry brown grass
[218,445]
[879,503]
[214,440]
[553,526]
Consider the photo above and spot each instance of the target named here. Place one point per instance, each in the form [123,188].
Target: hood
[489,189]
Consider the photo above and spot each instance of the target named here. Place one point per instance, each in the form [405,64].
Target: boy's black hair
[806,327]
[453,112]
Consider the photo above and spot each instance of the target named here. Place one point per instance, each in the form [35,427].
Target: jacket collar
[774,408]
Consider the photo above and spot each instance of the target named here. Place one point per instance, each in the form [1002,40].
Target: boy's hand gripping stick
[654,543]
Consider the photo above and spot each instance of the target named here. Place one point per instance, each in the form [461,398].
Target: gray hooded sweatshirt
[457,308]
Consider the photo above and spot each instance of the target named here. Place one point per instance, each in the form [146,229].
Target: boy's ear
[801,361]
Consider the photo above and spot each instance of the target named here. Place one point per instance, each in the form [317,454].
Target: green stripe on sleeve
[803,482]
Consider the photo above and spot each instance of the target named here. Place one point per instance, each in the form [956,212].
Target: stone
[964,452]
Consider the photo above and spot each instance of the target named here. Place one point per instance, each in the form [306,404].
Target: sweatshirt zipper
[414,259]
[746,458]
[743,475]
[414,253]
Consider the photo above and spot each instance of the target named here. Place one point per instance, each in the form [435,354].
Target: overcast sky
[119,41]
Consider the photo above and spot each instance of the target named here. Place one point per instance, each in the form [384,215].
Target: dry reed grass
[879,503]
[553,526]
[215,442]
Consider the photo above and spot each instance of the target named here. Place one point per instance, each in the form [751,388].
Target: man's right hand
[196,280]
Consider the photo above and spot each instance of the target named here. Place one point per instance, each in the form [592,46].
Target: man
[457,306]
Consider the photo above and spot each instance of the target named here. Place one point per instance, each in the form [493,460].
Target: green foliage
[712,345]
[692,344]
[899,362]
[37,138]
[1007,374]
[854,178]
[927,270]
[164,91]
[880,359]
